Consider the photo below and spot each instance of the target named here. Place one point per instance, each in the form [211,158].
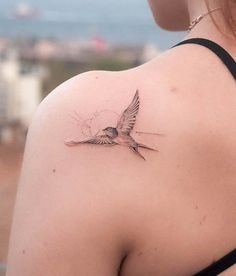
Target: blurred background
[42,44]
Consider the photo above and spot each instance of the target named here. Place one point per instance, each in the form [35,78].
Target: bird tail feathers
[146,147]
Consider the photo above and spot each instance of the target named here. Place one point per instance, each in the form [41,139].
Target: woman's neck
[206,27]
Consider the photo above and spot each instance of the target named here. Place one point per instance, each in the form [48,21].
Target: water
[127,21]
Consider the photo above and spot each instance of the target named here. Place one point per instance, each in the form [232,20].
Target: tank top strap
[220,265]
[225,57]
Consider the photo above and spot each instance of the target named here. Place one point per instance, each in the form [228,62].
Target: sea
[117,21]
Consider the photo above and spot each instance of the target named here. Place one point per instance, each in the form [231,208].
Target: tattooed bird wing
[100,140]
[127,120]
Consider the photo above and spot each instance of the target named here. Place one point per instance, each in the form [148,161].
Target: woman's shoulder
[150,103]
[168,86]
[102,185]
[171,71]
[186,67]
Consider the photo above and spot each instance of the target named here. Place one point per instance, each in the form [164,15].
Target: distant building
[3,101]
[150,51]
[20,94]
[25,11]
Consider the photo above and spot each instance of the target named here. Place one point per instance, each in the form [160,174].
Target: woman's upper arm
[67,219]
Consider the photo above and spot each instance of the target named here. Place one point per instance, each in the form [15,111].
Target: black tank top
[229,259]
[225,57]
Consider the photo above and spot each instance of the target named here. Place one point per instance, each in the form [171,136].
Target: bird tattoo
[119,135]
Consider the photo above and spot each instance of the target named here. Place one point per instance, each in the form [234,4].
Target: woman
[144,183]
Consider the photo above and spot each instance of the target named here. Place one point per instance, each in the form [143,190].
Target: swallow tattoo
[119,135]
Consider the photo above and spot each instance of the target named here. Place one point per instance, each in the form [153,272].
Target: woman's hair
[228,7]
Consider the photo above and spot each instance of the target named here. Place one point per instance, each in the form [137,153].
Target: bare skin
[97,210]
